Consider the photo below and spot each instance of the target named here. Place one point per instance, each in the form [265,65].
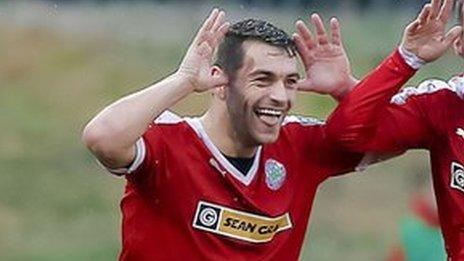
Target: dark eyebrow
[296,75]
[270,74]
[259,72]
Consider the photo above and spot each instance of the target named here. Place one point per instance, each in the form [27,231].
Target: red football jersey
[430,117]
[187,200]
[184,200]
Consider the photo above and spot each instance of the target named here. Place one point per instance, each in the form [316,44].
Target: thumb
[412,27]
[304,85]
[459,47]
[452,35]
[218,80]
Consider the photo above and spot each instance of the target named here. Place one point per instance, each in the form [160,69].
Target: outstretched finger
[302,50]
[322,38]
[207,24]
[446,10]
[305,34]
[412,27]
[452,35]
[219,21]
[424,14]
[210,39]
[222,31]
[435,10]
[335,29]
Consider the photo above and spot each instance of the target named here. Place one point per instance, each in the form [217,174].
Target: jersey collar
[196,125]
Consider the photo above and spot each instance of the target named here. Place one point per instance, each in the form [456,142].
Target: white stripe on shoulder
[457,83]
[303,120]
[426,87]
[168,117]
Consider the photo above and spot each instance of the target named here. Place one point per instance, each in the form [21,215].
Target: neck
[217,125]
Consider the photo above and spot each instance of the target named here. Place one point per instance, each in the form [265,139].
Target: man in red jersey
[429,116]
[238,182]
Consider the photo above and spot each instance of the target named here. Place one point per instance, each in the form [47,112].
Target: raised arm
[356,119]
[113,133]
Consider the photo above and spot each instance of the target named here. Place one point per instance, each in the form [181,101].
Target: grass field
[58,70]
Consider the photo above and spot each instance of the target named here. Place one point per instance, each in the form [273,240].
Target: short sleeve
[147,154]
[148,148]
[153,141]
[140,154]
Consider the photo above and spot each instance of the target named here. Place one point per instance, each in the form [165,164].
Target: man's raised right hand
[196,66]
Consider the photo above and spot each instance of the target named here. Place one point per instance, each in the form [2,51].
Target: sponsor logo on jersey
[275,174]
[457,176]
[238,224]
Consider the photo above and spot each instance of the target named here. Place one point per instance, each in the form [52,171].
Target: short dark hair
[230,52]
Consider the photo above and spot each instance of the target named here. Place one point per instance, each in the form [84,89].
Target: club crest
[275,174]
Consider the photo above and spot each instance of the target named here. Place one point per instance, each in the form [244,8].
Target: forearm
[355,119]
[112,134]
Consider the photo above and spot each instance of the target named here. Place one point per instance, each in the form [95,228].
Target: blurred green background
[62,63]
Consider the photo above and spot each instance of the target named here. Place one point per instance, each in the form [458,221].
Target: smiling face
[262,93]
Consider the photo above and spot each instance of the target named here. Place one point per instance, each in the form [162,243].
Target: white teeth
[269,112]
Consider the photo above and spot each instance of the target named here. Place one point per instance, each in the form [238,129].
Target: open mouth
[269,116]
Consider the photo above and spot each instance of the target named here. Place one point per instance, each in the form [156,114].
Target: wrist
[412,59]
[185,79]
[348,86]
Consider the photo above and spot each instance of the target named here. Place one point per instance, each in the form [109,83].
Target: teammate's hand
[426,37]
[326,63]
[196,65]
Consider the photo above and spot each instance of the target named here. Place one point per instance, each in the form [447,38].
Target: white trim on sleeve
[411,59]
[140,153]
[457,84]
